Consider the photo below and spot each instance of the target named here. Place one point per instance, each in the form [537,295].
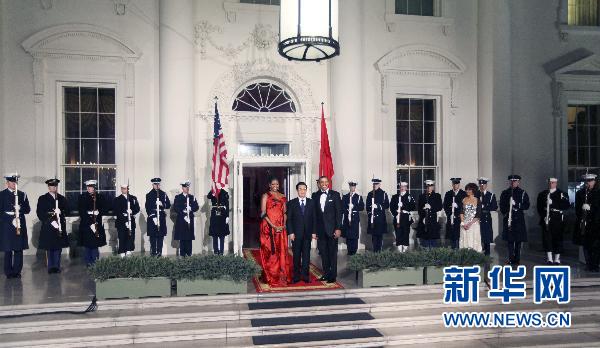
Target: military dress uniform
[516,232]
[156,201]
[428,229]
[219,219]
[488,205]
[401,205]
[351,218]
[185,205]
[12,243]
[377,203]
[125,221]
[92,207]
[552,222]
[453,199]
[587,230]
[51,210]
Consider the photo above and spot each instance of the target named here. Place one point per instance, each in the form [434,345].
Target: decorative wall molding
[79,42]
[232,8]
[120,7]
[262,37]
[239,76]
[392,19]
[419,60]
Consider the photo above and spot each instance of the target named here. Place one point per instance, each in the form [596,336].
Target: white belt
[10,213]
[405,212]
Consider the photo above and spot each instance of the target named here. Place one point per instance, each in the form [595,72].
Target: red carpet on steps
[314,274]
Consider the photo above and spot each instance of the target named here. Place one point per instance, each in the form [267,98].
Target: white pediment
[420,58]
[80,41]
[588,66]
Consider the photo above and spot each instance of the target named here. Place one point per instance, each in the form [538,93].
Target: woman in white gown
[470,237]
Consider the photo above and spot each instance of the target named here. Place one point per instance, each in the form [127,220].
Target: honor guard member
[352,205]
[219,219]
[126,207]
[156,203]
[488,205]
[551,205]
[513,202]
[401,205]
[51,210]
[185,205]
[587,230]
[452,207]
[92,208]
[14,205]
[429,204]
[377,203]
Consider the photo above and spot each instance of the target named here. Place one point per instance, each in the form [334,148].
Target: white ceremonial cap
[552,180]
[91,183]
[429,182]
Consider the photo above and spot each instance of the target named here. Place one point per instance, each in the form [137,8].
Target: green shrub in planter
[209,266]
[144,267]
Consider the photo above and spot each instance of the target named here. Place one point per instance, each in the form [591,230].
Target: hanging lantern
[308,29]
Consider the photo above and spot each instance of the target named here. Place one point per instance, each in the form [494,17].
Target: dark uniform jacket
[408,205]
[591,226]
[184,230]
[429,227]
[488,205]
[518,231]
[87,237]
[219,213]
[453,221]
[560,203]
[9,240]
[350,228]
[120,211]
[50,236]
[378,226]
[152,230]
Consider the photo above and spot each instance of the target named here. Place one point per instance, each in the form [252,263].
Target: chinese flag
[326,162]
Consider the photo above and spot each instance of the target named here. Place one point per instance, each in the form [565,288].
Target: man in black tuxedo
[328,207]
[301,228]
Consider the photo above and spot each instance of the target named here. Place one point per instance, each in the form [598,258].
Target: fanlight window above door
[263,97]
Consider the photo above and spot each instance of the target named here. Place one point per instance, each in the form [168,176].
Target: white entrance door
[296,172]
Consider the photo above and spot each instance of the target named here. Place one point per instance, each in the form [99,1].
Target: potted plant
[213,274]
[132,277]
[436,259]
[387,268]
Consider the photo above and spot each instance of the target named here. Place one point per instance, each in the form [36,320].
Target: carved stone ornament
[261,37]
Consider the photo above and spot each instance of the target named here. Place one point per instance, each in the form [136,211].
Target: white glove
[129,211]
[227,221]
[512,201]
[586,207]
[95,212]
[187,219]
[549,201]
[400,204]
[350,206]
[155,221]
[93,228]
[159,203]
[17,207]
[54,224]
[128,225]
[15,222]
[57,211]
[454,205]
[427,206]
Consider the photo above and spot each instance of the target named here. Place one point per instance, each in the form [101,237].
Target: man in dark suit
[328,207]
[301,228]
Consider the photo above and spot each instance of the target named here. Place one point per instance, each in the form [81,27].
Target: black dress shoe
[331,280]
[550,263]
[17,275]
[306,280]
[294,281]
[323,278]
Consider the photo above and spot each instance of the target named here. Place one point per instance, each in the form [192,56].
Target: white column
[176,98]
[347,76]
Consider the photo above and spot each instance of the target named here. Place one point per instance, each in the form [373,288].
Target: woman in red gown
[274,253]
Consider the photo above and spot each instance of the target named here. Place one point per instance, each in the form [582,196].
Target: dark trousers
[552,237]
[126,242]
[352,245]
[514,252]
[185,248]
[301,252]
[53,256]
[486,248]
[328,247]
[429,243]
[377,240]
[592,253]
[218,244]
[156,245]
[13,262]
[91,255]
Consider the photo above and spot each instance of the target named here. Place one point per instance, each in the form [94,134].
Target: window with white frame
[584,144]
[416,142]
[583,12]
[263,97]
[88,141]
[261,2]
[248,149]
[416,7]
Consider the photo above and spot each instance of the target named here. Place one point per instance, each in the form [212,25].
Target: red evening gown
[274,253]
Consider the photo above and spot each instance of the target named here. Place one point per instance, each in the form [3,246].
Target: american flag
[220,169]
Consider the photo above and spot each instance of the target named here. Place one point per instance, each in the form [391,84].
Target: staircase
[402,316]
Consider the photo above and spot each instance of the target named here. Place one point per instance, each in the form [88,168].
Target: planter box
[210,287]
[434,275]
[390,277]
[133,288]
